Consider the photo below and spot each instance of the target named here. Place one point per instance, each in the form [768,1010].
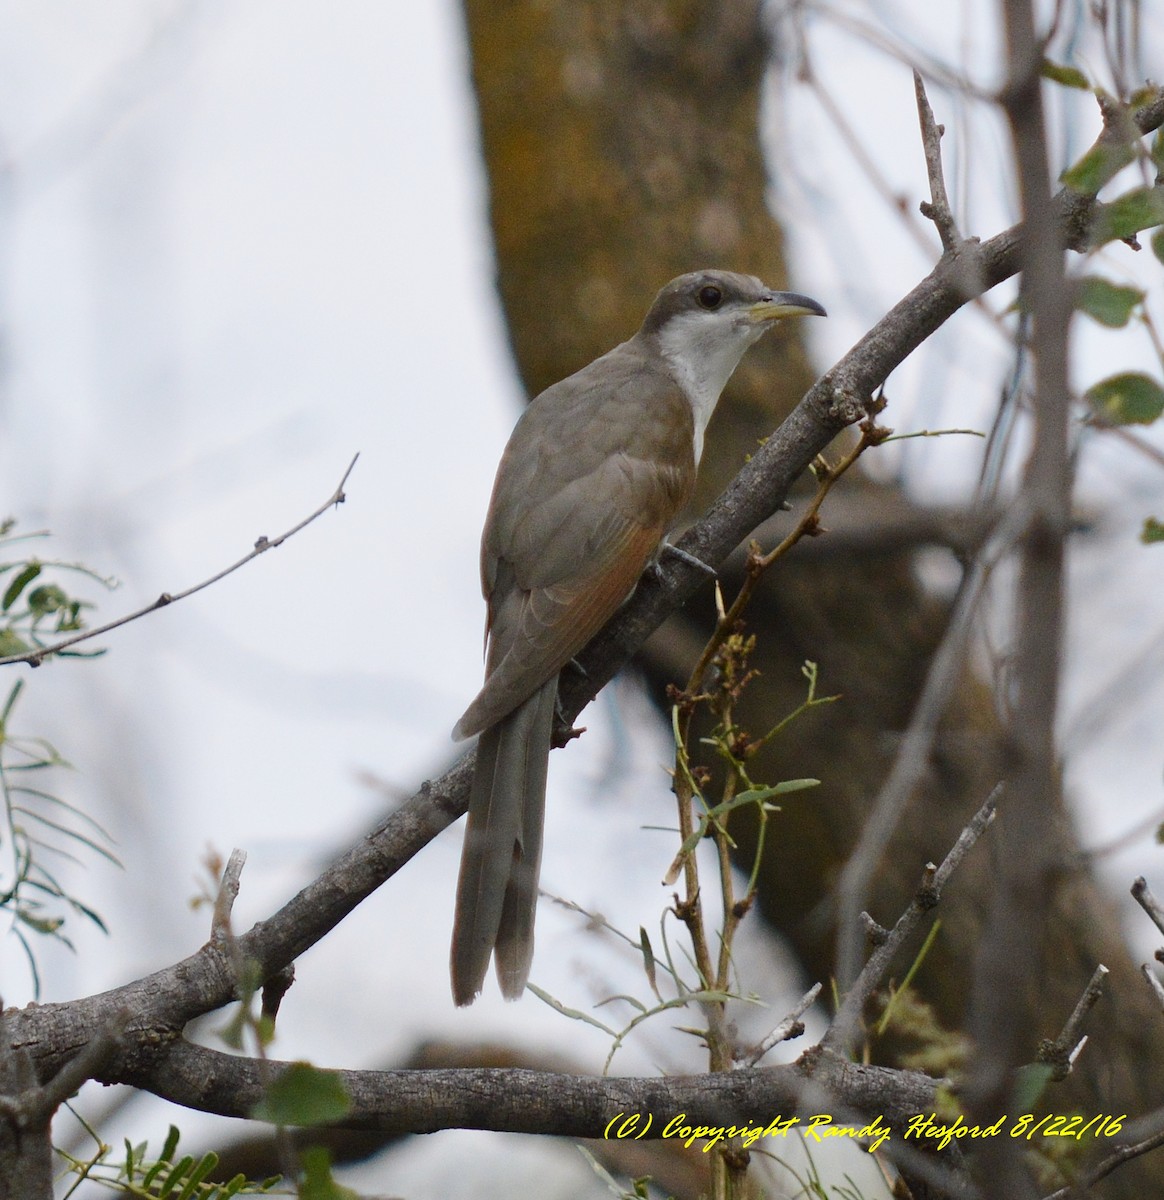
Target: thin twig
[34,658]
[1153,1141]
[841,1033]
[791,1027]
[938,207]
[227,894]
[1062,1052]
[894,201]
[1146,899]
[1154,984]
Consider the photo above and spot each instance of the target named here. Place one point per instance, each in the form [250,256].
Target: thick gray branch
[512,1100]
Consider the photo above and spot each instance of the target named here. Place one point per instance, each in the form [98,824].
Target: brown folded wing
[558,572]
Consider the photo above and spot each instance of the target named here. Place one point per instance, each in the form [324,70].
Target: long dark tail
[497,892]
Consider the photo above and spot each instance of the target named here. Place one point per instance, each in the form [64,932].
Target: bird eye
[709,297]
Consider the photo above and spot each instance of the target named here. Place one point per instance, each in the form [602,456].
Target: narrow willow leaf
[1067,76]
[45,925]
[626,998]
[573,1013]
[648,959]
[784,788]
[22,580]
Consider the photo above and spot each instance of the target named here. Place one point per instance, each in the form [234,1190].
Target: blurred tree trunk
[622,146]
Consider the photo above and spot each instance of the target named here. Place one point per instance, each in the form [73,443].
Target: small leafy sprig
[35,606]
[1125,399]
[40,825]
[166,1176]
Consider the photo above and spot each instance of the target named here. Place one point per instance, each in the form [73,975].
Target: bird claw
[683,556]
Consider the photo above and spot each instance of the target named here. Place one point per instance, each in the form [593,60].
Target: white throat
[702,350]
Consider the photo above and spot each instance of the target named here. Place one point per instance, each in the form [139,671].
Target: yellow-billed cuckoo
[595,472]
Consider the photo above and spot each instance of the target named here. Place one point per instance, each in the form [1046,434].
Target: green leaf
[265,1029]
[780,789]
[250,979]
[1103,161]
[304,1095]
[1030,1083]
[1158,244]
[1130,398]
[648,954]
[10,644]
[1157,150]
[156,1170]
[573,1013]
[1107,302]
[1125,216]
[206,1164]
[626,998]
[317,1181]
[1067,76]
[1153,531]
[22,580]
[45,925]
[234,1031]
[46,599]
[176,1176]
[171,1144]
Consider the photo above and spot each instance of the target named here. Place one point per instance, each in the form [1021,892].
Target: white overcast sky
[240,242]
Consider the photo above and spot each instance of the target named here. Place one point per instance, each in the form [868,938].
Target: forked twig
[937,208]
[839,1036]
